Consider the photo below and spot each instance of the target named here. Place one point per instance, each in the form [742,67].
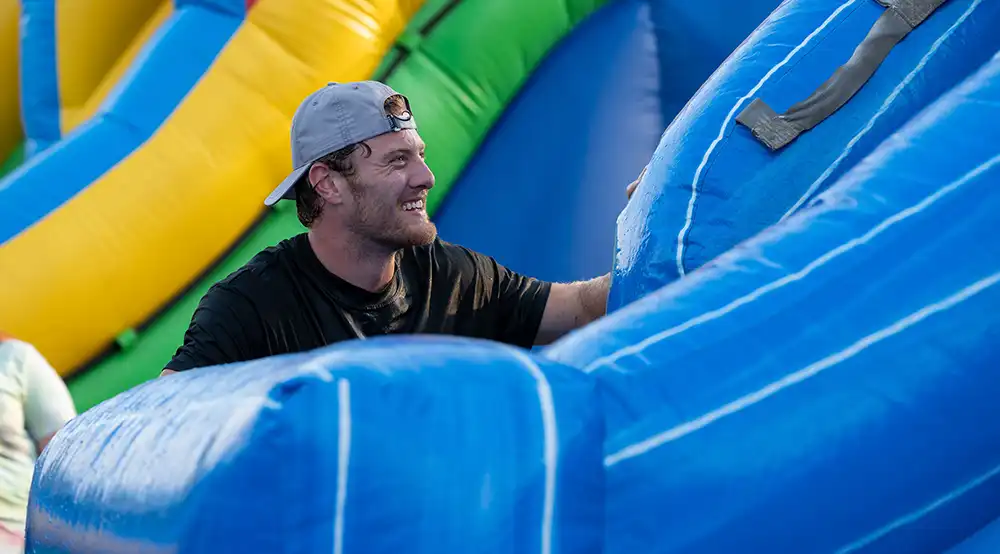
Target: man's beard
[384,223]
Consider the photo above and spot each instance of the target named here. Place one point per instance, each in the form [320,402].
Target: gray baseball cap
[336,116]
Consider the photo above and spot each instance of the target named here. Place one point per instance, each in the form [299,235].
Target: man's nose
[423,177]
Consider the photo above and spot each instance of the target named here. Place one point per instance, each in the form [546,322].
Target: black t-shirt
[284,300]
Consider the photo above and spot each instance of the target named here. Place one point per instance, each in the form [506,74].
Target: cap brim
[286,189]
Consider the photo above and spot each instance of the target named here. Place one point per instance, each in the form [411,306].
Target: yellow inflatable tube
[91,35]
[10,110]
[111,256]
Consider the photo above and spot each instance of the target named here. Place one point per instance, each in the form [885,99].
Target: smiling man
[370,262]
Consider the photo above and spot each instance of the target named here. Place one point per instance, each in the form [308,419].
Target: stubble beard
[385,225]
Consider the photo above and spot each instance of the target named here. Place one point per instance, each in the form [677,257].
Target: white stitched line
[682,235]
[792,277]
[551,450]
[914,516]
[644,446]
[881,111]
[343,458]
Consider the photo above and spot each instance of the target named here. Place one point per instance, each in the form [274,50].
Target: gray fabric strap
[776,130]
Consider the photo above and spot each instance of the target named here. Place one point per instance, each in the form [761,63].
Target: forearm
[593,298]
[573,305]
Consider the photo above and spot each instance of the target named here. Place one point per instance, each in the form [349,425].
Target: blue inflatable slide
[799,356]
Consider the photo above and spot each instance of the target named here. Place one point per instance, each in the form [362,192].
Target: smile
[414,205]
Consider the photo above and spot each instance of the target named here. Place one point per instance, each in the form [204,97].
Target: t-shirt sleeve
[224,329]
[510,305]
[47,402]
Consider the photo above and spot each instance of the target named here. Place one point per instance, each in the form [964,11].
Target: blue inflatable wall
[384,446]
[831,385]
[551,196]
[711,184]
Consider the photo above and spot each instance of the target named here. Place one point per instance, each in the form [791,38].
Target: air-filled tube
[711,184]
[414,445]
[831,385]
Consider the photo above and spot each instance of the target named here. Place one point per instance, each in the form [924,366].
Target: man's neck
[366,266]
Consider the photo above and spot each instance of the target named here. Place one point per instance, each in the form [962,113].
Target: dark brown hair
[308,204]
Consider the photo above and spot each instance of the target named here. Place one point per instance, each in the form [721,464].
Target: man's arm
[47,402]
[573,305]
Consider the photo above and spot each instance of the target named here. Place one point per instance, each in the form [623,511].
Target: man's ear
[328,184]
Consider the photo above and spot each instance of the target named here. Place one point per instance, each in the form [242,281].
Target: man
[370,262]
[34,404]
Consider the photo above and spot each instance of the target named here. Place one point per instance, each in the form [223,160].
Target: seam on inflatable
[881,111]
[551,447]
[689,216]
[916,515]
[792,277]
[813,369]
[343,461]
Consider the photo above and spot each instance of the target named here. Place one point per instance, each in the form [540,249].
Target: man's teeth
[415,205]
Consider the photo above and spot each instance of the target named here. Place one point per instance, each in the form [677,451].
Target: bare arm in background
[47,402]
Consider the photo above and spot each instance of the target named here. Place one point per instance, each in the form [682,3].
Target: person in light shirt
[34,405]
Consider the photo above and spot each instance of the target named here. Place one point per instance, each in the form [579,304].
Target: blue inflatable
[714,181]
[644,60]
[383,446]
[986,541]
[831,385]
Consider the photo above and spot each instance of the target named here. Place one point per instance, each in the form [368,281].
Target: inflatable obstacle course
[804,391]
[824,384]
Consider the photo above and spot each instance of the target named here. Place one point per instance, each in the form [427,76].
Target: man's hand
[632,186]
